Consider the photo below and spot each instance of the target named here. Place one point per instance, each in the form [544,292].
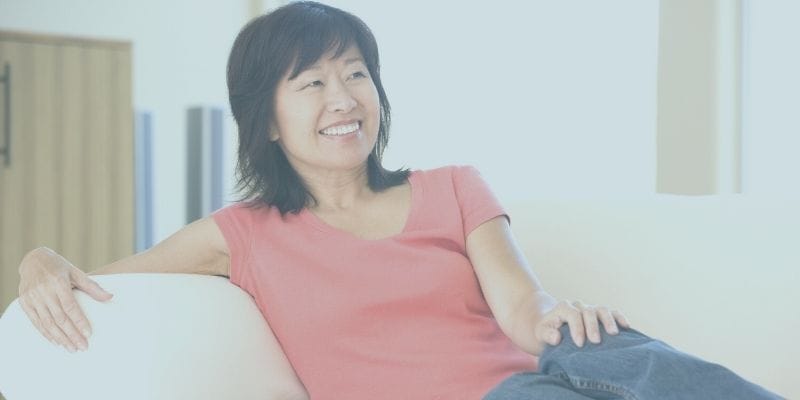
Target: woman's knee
[625,338]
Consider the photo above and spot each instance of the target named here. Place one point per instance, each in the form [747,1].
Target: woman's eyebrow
[353,60]
[317,67]
[346,62]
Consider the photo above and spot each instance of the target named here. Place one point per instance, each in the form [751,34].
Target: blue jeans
[629,366]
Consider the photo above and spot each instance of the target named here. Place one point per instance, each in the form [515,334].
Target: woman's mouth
[341,130]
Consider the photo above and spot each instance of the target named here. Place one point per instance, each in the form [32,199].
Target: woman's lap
[630,366]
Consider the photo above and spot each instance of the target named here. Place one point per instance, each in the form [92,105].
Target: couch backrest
[717,276]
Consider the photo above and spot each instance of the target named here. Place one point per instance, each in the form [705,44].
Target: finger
[64,323]
[574,318]
[92,288]
[610,325]
[548,335]
[591,325]
[51,326]
[37,322]
[45,319]
[548,331]
[553,337]
[73,311]
[621,320]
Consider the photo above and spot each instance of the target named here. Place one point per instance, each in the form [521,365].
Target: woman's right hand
[45,294]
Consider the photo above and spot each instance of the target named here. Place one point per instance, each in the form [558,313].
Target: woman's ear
[272,133]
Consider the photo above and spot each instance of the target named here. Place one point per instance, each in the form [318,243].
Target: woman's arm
[47,278]
[198,248]
[526,313]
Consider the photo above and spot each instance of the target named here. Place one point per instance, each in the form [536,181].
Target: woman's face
[327,118]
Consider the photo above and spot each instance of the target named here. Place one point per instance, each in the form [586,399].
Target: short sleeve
[236,223]
[477,202]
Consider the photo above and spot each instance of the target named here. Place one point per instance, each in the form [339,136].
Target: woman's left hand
[583,320]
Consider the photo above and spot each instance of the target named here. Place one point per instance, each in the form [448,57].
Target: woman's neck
[338,190]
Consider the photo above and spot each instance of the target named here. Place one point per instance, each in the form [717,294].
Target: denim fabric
[629,366]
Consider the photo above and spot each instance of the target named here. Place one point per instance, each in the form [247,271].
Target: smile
[341,130]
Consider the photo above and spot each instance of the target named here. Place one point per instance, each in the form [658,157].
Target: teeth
[340,130]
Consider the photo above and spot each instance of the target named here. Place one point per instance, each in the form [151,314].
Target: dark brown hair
[293,36]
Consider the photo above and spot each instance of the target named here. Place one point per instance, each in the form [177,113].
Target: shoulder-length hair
[293,36]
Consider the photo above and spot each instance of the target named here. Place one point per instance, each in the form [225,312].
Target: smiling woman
[377,284]
[285,81]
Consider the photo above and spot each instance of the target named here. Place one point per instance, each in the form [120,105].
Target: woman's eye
[358,74]
[314,84]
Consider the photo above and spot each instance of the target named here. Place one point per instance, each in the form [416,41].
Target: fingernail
[86,332]
[71,349]
[613,331]
[82,346]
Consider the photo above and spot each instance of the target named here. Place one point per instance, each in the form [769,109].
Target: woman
[377,283]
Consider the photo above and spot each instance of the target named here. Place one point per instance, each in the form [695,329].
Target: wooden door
[28,184]
[69,184]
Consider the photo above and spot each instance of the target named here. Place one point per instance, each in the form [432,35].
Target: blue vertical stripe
[144,180]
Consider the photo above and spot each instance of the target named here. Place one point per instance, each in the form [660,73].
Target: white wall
[771,97]
[180,50]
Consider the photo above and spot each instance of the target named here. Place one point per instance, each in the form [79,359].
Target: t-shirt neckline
[416,192]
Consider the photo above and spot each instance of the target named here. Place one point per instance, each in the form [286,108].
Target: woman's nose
[340,100]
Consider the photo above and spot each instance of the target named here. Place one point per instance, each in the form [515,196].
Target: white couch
[716,276]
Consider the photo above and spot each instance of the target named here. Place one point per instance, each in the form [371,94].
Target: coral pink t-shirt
[397,318]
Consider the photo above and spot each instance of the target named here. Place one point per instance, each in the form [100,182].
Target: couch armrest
[162,336]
